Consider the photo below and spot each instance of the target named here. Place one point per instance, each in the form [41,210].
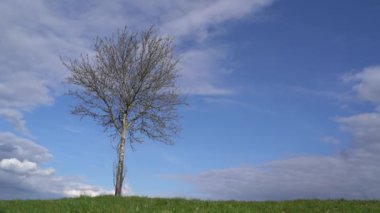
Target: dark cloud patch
[12,188]
[12,146]
[6,148]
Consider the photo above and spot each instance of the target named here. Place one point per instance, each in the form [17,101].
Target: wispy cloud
[198,16]
[331,140]
[351,176]
[200,70]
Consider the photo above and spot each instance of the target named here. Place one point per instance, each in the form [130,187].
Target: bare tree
[129,88]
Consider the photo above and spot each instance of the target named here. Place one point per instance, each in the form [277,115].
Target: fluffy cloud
[23,167]
[82,189]
[367,84]
[15,165]
[365,127]
[22,176]
[352,174]
[26,180]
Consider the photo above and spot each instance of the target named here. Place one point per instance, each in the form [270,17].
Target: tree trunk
[120,163]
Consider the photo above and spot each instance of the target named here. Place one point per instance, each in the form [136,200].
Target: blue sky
[284,100]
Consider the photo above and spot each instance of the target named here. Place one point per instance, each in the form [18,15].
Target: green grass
[141,204]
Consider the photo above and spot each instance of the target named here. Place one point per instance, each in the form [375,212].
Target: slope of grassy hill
[141,204]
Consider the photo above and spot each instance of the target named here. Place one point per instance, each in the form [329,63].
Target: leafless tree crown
[131,75]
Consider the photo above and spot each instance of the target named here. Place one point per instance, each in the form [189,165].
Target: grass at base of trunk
[142,204]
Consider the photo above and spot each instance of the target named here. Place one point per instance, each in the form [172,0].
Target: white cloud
[88,190]
[13,164]
[23,167]
[365,126]
[17,178]
[367,83]
[84,190]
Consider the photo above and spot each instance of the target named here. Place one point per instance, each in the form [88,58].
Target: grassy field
[141,204]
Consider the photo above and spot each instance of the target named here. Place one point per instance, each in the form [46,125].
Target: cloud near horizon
[23,177]
[351,174]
